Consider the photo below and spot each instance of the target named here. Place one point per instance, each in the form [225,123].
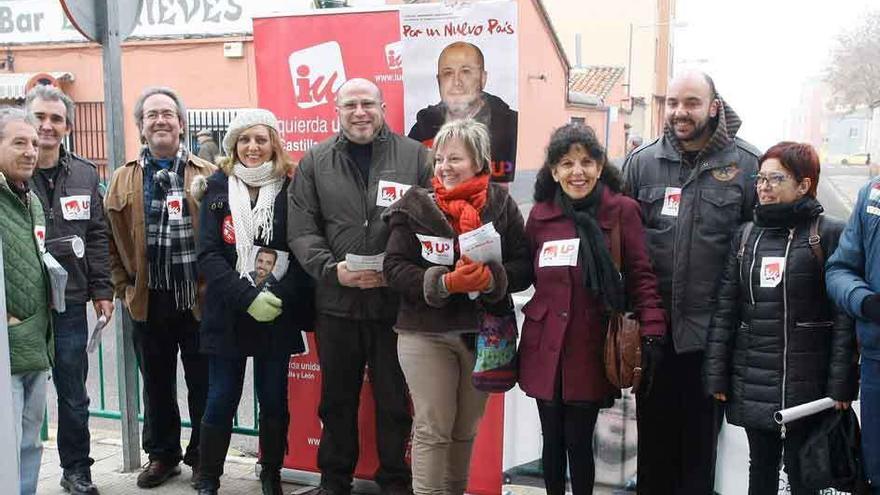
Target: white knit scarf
[252,223]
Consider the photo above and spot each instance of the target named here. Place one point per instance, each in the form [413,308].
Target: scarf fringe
[171,252]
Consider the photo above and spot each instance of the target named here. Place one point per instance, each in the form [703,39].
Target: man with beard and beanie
[68,187]
[461,78]
[153,210]
[340,191]
[695,185]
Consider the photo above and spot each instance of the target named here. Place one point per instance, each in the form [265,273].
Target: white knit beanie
[245,119]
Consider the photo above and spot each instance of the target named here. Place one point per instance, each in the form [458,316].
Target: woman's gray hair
[13,114]
[159,90]
[474,136]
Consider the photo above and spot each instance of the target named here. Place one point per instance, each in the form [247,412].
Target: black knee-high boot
[213,445]
[273,445]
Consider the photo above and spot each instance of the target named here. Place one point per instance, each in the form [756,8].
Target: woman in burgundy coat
[577,206]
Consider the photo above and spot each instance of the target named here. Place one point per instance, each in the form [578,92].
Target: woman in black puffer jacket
[777,340]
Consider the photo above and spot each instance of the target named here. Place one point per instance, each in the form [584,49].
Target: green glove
[266,307]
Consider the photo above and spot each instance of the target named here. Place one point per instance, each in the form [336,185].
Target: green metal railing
[105,411]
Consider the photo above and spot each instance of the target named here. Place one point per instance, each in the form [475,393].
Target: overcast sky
[760,51]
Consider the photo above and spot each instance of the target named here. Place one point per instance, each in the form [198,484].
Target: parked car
[856,159]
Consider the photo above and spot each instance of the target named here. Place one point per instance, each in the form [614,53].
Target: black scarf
[787,215]
[600,275]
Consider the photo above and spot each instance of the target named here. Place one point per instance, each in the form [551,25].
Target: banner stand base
[312,480]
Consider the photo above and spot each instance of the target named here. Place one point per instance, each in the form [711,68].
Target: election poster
[298,76]
[460,61]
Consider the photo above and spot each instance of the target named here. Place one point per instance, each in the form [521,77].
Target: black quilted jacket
[776,339]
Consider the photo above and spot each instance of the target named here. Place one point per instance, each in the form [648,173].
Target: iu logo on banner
[317,72]
[394,55]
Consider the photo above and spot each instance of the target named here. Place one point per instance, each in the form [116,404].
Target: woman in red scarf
[444,296]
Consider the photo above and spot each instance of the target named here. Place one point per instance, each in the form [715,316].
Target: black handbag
[831,457]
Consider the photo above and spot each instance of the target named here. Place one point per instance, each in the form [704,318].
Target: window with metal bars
[215,120]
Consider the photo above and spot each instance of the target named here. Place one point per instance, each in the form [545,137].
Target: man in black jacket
[339,192]
[461,77]
[76,235]
[695,185]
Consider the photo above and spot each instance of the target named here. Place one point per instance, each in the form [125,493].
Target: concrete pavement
[240,476]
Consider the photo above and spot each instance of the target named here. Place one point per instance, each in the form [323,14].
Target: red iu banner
[301,61]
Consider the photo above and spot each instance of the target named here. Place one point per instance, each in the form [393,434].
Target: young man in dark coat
[695,186]
[68,187]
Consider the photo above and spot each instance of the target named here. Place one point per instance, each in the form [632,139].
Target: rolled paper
[63,247]
[790,414]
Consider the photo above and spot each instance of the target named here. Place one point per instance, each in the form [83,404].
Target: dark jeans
[69,374]
[344,347]
[678,429]
[157,342]
[568,434]
[225,381]
[765,453]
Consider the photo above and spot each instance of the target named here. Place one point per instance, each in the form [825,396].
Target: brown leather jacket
[124,203]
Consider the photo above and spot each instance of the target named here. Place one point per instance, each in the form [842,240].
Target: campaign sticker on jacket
[559,253]
[772,268]
[437,250]
[874,193]
[76,207]
[671,201]
[389,192]
[873,210]
[40,235]
[228,230]
[175,207]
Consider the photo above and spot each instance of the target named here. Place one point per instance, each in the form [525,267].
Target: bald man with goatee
[461,80]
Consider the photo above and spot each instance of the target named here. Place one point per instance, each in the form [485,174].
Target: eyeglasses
[351,105]
[164,115]
[773,179]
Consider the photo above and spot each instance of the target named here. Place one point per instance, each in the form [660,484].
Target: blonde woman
[253,307]
[443,299]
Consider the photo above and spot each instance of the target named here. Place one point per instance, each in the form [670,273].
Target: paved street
[839,186]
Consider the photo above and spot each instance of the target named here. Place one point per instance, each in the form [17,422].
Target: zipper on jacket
[785,321]
[359,177]
[752,266]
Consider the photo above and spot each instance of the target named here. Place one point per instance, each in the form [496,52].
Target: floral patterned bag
[496,368]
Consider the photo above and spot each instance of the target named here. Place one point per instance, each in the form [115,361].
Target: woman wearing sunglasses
[777,340]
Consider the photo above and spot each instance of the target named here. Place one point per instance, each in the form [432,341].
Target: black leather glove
[871,308]
[652,356]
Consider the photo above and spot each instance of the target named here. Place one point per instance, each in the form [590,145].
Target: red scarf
[464,203]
